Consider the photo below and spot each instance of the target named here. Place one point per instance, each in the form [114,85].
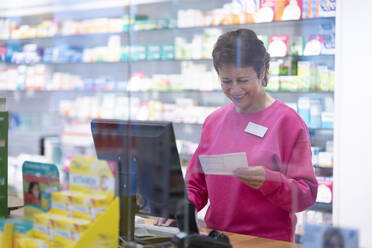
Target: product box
[266,12]
[327,8]
[315,113]
[325,159]
[304,75]
[315,154]
[328,120]
[3,159]
[2,53]
[77,204]
[325,189]
[139,25]
[163,23]
[61,201]
[296,46]
[167,52]
[328,31]
[137,52]
[42,226]
[292,10]
[153,52]
[288,83]
[88,174]
[323,77]
[314,45]
[88,206]
[31,243]
[20,228]
[129,20]
[273,84]
[310,8]
[66,230]
[304,109]
[39,181]
[124,53]
[278,46]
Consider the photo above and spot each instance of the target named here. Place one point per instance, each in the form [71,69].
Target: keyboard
[143,230]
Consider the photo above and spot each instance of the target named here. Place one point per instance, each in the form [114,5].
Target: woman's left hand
[253,176]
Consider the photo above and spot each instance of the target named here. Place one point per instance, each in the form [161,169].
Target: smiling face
[243,87]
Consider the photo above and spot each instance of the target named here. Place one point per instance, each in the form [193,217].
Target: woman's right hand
[164,222]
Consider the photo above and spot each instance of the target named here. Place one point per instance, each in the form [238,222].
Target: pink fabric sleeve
[295,188]
[195,183]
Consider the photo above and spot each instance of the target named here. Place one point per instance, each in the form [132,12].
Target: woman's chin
[238,108]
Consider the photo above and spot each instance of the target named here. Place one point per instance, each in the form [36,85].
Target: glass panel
[64,63]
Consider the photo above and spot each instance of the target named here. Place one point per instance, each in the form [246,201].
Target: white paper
[223,164]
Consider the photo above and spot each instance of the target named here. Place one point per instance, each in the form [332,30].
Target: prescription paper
[223,164]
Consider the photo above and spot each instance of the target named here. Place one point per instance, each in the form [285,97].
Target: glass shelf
[89,91]
[330,56]
[322,207]
[178,30]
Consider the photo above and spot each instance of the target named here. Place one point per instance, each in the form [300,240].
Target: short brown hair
[242,48]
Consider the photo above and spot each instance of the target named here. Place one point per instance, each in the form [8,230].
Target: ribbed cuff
[272,182]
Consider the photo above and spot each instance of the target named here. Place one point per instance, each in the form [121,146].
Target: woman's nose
[235,89]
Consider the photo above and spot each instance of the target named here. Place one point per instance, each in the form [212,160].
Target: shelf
[182,29]
[262,24]
[323,171]
[64,6]
[157,61]
[175,91]
[322,207]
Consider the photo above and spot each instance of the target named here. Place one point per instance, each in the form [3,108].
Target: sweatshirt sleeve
[295,188]
[195,182]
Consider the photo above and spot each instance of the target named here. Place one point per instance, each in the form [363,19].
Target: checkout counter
[236,240]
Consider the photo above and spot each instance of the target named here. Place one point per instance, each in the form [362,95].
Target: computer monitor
[149,163]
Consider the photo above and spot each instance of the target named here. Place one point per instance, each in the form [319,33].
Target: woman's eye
[243,81]
[226,82]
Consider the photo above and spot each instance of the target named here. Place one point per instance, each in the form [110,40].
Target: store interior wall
[353,134]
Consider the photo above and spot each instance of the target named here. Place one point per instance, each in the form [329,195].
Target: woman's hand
[164,222]
[253,176]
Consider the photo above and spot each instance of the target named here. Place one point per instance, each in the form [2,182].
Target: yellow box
[102,233]
[61,200]
[41,226]
[90,174]
[31,243]
[89,206]
[68,230]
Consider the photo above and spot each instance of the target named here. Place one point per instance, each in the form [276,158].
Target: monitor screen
[150,150]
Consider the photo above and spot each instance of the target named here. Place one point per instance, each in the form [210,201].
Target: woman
[33,196]
[262,198]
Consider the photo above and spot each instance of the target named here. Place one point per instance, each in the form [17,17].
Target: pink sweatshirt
[285,153]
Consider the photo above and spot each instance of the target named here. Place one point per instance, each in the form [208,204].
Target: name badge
[256,129]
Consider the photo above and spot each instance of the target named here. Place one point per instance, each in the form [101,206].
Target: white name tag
[256,129]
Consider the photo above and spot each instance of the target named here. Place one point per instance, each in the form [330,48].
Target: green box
[163,23]
[167,52]
[137,52]
[130,20]
[124,53]
[151,24]
[3,159]
[153,52]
